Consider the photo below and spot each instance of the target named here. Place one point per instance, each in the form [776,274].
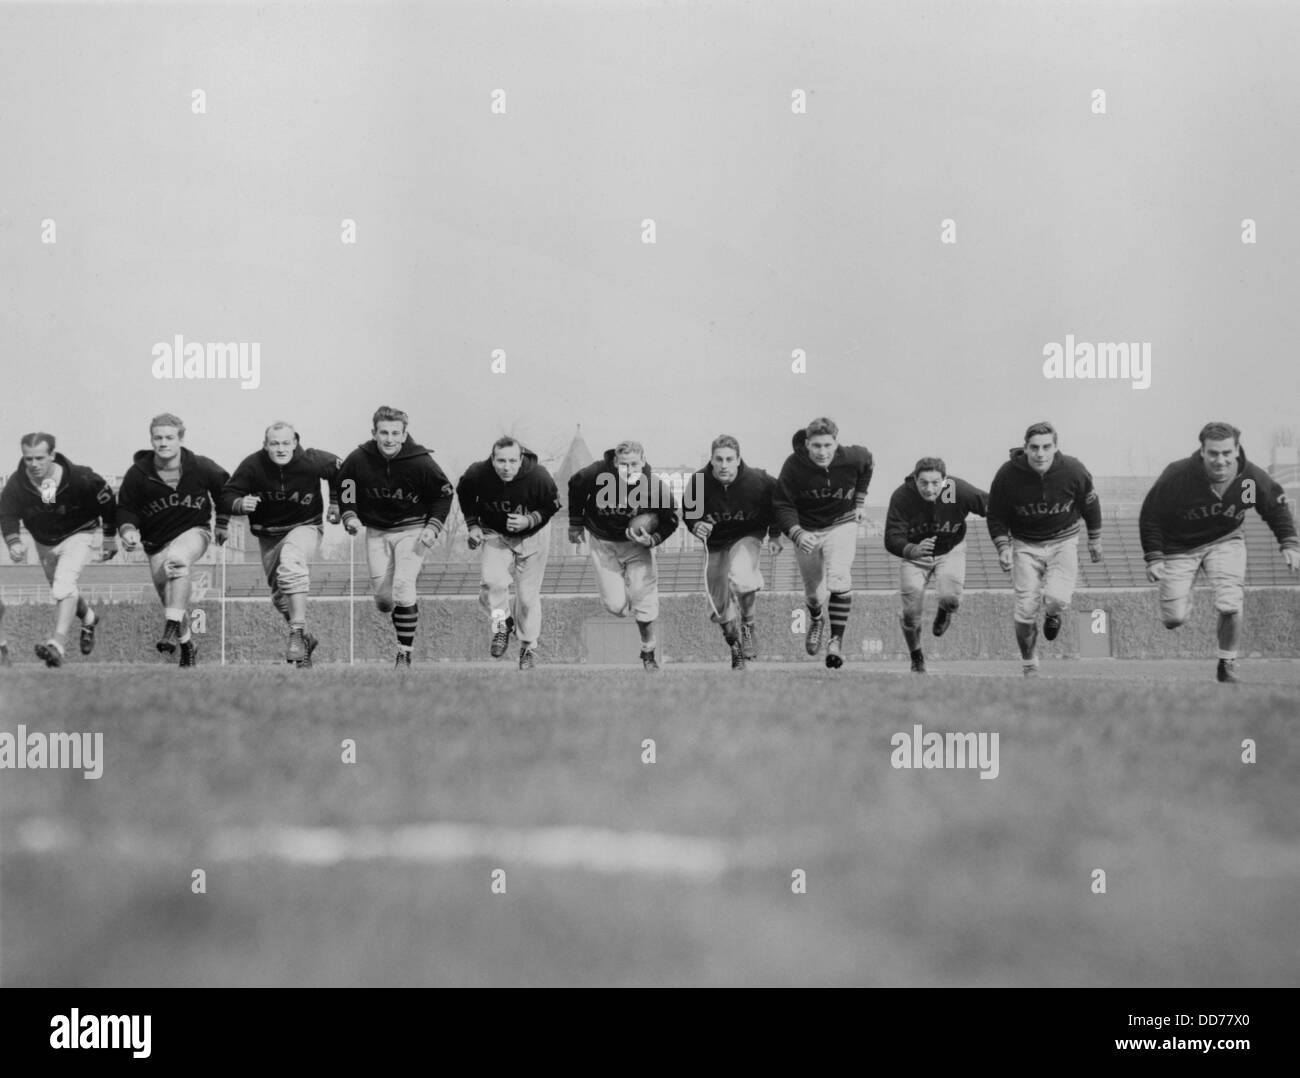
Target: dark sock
[405,621]
[840,603]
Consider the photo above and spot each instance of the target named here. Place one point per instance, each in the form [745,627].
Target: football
[644,521]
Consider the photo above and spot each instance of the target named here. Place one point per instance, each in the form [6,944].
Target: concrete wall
[457,629]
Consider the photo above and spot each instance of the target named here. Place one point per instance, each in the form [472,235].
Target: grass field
[320,872]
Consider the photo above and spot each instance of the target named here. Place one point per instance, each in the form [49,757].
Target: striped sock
[839,604]
[405,621]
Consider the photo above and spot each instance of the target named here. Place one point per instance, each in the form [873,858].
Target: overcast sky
[775,231]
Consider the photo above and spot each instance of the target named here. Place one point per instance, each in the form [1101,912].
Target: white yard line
[592,849]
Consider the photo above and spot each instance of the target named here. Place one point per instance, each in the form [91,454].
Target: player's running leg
[812,568]
[912,579]
[495,567]
[1225,568]
[641,575]
[840,545]
[1027,569]
[725,610]
[528,567]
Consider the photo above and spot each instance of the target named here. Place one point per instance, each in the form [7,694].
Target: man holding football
[1191,520]
[731,513]
[508,501]
[926,528]
[628,512]
[279,489]
[392,486]
[820,500]
[63,505]
[1035,506]
[166,504]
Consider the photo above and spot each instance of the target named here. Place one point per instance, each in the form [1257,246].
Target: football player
[508,501]
[166,504]
[63,505]
[820,500]
[1192,520]
[731,513]
[1036,503]
[279,489]
[926,528]
[604,498]
[392,486]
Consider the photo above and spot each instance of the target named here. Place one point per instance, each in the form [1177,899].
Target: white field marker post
[223,603]
[352,572]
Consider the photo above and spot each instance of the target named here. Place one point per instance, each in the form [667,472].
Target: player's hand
[427,537]
[807,542]
[774,545]
[1155,571]
[518,522]
[474,537]
[641,536]
[351,523]
[249,503]
[1004,559]
[925,548]
[108,550]
[1292,559]
[860,514]
[1095,551]
[17,552]
[577,536]
[221,534]
[332,514]
[130,538]
[703,530]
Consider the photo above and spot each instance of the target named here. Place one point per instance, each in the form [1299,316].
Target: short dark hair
[1041,428]
[821,425]
[385,414]
[724,440]
[31,441]
[504,442]
[166,419]
[930,464]
[1218,431]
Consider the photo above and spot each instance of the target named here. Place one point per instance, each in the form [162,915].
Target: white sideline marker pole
[223,603]
[352,572]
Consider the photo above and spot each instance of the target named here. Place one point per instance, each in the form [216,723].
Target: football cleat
[1227,671]
[189,653]
[737,656]
[88,635]
[816,631]
[1051,626]
[501,637]
[310,642]
[50,653]
[834,660]
[527,657]
[403,660]
[748,645]
[648,660]
[942,620]
[4,656]
[170,638]
[1030,671]
[918,665]
[297,649]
